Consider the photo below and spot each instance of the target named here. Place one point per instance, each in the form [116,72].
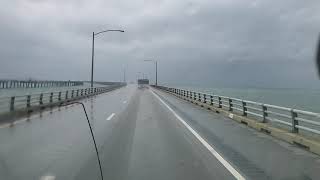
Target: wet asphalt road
[139,137]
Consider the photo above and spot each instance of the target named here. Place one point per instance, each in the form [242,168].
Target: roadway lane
[59,143]
[149,143]
[255,154]
[141,135]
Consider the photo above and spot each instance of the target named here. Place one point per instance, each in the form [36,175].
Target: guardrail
[28,103]
[293,119]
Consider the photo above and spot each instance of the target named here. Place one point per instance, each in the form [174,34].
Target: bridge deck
[139,137]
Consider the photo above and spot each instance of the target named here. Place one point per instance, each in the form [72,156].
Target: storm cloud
[247,43]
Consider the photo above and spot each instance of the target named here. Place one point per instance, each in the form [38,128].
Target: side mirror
[318,57]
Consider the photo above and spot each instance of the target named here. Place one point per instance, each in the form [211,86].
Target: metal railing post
[81,93]
[66,95]
[28,101]
[199,97]
[264,113]
[51,97]
[211,100]
[294,121]
[59,96]
[244,108]
[194,96]
[204,99]
[220,102]
[12,103]
[72,93]
[41,99]
[230,104]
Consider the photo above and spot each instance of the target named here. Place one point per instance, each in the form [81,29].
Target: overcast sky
[223,43]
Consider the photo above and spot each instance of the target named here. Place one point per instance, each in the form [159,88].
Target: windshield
[171,89]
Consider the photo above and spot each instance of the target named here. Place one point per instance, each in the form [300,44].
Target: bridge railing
[293,119]
[40,100]
[6,84]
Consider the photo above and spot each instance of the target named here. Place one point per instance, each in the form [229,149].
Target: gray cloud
[223,42]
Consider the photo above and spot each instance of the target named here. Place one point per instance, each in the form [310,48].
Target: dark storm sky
[233,43]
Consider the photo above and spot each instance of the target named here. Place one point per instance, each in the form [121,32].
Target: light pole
[124,75]
[156,63]
[94,34]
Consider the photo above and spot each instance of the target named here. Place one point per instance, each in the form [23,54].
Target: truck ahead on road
[143,83]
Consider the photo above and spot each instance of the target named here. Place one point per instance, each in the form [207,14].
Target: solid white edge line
[111,116]
[225,163]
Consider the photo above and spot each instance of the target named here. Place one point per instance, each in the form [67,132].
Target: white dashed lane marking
[111,116]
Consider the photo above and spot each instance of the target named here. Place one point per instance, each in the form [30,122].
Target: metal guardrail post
[81,93]
[199,97]
[211,100]
[194,96]
[204,99]
[51,97]
[244,108]
[230,104]
[59,96]
[41,99]
[66,95]
[220,102]
[28,101]
[294,121]
[12,103]
[264,113]
[72,93]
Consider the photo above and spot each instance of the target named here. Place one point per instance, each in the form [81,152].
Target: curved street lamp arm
[119,30]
